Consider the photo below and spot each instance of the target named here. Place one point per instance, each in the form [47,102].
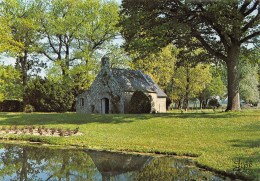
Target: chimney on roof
[105,62]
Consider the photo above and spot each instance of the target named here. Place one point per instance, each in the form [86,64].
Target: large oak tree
[221,27]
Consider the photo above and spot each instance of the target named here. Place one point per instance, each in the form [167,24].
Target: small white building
[112,90]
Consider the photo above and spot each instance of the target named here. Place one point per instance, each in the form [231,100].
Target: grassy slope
[219,139]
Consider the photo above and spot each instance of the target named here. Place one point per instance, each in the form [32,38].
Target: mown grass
[219,140]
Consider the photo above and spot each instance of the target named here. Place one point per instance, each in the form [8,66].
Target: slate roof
[132,80]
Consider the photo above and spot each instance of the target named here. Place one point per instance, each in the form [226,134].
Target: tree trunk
[233,79]
[200,99]
[23,62]
[187,102]
[206,103]
[187,89]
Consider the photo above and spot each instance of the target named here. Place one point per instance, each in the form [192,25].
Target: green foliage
[159,66]
[74,31]
[117,57]
[150,26]
[7,42]
[214,88]
[190,81]
[10,83]
[249,83]
[139,103]
[29,108]
[249,76]
[49,96]
[24,22]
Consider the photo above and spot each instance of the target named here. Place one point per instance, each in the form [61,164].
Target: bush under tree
[49,96]
[11,106]
[214,103]
[139,103]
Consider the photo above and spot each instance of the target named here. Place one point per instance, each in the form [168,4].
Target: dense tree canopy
[159,66]
[7,42]
[220,27]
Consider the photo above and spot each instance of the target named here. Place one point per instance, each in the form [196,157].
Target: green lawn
[220,140]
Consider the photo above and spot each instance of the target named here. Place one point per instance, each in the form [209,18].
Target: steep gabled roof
[132,80]
[159,91]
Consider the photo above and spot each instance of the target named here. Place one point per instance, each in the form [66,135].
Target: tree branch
[49,57]
[49,38]
[251,23]
[249,37]
[223,36]
[252,9]
[208,48]
[243,7]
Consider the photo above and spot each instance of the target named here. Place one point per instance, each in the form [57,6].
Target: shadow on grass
[204,115]
[245,143]
[60,118]
[73,118]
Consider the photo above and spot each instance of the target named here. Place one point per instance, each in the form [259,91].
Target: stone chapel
[112,90]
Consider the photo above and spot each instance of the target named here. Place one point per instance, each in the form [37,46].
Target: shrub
[214,103]
[28,108]
[11,106]
[49,96]
[139,103]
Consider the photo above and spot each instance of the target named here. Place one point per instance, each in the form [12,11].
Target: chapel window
[81,101]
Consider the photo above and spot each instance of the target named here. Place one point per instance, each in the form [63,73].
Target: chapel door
[104,106]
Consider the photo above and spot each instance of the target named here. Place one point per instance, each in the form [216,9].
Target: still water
[37,162]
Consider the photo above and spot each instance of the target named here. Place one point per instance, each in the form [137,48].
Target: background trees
[24,25]
[65,34]
[213,89]
[159,66]
[248,83]
[189,81]
[220,27]
[74,31]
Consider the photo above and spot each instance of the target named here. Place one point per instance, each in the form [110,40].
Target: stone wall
[105,86]
[82,98]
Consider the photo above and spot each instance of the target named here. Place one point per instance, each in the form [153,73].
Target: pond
[36,162]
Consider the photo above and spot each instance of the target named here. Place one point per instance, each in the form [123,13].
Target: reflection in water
[45,163]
